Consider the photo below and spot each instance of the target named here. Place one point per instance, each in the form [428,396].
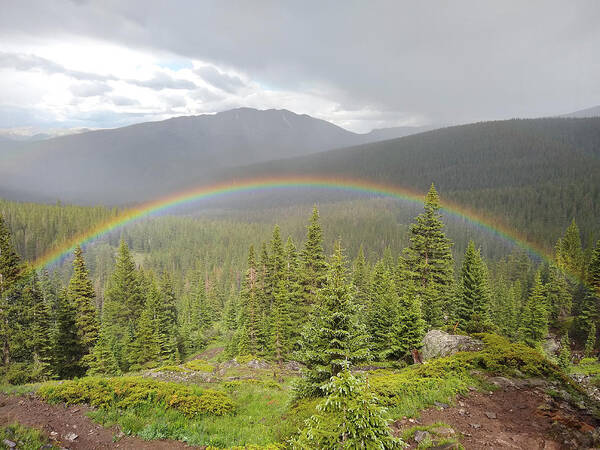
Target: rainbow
[355,185]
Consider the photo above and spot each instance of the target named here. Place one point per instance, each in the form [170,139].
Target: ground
[515,416]
[61,423]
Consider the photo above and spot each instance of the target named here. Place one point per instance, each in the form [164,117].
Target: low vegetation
[23,437]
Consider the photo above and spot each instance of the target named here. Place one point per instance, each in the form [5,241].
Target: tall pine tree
[430,262]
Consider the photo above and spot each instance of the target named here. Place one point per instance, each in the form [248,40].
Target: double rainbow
[355,185]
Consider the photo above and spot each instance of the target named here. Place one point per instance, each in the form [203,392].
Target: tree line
[292,304]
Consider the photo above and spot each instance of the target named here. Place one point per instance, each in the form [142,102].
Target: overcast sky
[360,64]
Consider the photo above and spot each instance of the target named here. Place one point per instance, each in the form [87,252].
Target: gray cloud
[119,100]
[23,62]
[220,80]
[446,61]
[90,89]
[162,81]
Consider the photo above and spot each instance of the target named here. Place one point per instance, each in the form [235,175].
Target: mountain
[383,134]
[146,160]
[534,175]
[589,112]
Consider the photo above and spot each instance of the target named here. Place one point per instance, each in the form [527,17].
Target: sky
[359,64]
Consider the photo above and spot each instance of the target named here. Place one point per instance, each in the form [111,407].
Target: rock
[441,405]
[502,382]
[257,364]
[293,366]
[70,437]
[9,444]
[491,415]
[421,435]
[437,344]
[551,345]
[445,432]
[475,425]
[448,446]
[462,411]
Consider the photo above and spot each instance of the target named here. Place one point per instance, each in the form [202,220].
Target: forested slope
[535,174]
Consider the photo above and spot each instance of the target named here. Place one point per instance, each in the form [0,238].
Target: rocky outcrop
[437,344]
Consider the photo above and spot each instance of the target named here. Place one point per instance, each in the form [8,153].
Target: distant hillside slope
[588,112]
[139,162]
[534,174]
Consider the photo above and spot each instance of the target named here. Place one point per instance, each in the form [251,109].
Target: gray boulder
[437,344]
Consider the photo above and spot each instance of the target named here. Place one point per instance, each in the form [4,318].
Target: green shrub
[199,365]
[131,392]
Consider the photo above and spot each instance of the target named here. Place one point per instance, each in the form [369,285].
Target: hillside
[139,162]
[537,174]
[588,112]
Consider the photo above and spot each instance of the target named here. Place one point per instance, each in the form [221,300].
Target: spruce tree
[430,262]
[534,317]
[250,315]
[104,355]
[68,347]
[10,269]
[334,334]
[148,329]
[349,418]
[280,323]
[590,343]
[564,356]
[167,322]
[293,287]
[123,304]
[570,255]
[361,279]
[383,313]
[557,293]
[81,293]
[314,266]
[594,270]
[276,270]
[473,304]
[40,329]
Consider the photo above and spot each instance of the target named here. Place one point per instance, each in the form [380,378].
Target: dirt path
[58,422]
[510,418]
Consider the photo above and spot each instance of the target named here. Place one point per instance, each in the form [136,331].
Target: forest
[330,298]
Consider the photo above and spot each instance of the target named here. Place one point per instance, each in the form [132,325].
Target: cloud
[25,62]
[119,100]
[161,81]
[220,80]
[378,64]
[90,89]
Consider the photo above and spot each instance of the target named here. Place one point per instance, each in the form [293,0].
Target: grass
[435,439]
[256,420]
[263,413]
[24,437]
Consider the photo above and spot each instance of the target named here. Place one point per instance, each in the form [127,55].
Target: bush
[199,365]
[131,392]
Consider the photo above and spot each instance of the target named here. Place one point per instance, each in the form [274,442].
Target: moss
[131,392]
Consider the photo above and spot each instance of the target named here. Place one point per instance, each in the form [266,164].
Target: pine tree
[81,293]
[280,323]
[473,304]
[293,287]
[314,266]
[40,327]
[590,343]
[594,270]
[570,255]
[250,316]
[167,322]
[123,304]
[383,314]
[349,418]
[334,335]
[68,347]
[276,270]
[557,293]
[10,269]
[104,359]
[361,279]
[148,329]
[534,317]
[564,356]
[430,262]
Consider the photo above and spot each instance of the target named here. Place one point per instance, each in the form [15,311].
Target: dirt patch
[209,354]
[61,423]
[511,418]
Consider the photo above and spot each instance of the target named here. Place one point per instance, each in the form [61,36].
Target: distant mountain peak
[594,111]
